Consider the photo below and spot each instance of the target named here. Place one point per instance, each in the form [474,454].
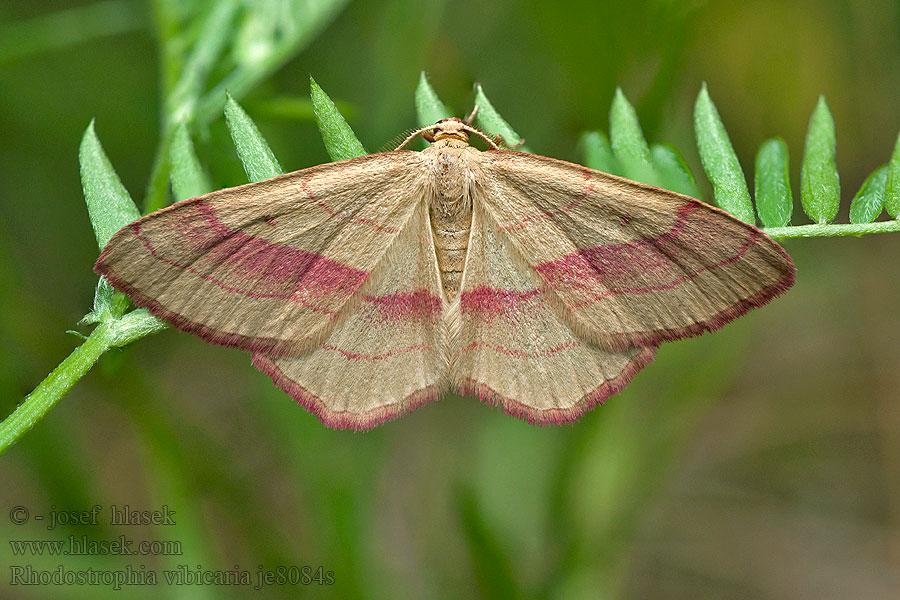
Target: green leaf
[673,171]
[429,108]
[820,186]
[719,160]
[869,200]
[188,178]
[892,186]
[490,121]
[628,143]
[774,201]
[109,205]
[340,141]
[597,153]
[258,160]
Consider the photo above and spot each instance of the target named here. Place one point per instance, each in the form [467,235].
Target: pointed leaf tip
[628,143]
[109,205]
[720,161]
[188,177]
[490,121]
[340,141]
[820,186]
[258,159]
[429,108]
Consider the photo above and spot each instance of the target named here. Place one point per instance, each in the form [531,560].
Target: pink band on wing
[418,305]
[255,267]
[648,265]
[489,302]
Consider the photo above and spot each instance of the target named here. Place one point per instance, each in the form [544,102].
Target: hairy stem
[53,387]
[831,230]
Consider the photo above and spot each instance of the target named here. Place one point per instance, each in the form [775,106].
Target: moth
[368,287]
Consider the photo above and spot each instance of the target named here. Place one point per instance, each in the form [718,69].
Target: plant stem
[831,230]
[53,387]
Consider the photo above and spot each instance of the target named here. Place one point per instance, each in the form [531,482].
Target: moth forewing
[631,264]
[268,266]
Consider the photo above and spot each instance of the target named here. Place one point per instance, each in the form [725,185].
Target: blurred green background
[762,461]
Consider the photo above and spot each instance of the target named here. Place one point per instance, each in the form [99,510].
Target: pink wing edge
[561,416]
[343,419]
[338,419]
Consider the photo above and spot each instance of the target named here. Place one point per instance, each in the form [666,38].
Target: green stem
[53,387]
[831,230]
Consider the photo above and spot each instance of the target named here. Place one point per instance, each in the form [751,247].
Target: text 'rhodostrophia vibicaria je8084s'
[367,287]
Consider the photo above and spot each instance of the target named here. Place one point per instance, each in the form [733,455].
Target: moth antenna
[471,116]
[413,135]
[393,143]
[482,135]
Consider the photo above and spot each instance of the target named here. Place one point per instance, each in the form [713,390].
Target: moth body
[449,201]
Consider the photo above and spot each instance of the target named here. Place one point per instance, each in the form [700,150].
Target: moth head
[448,129]
[451,128]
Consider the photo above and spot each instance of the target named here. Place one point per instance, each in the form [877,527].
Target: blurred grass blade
[298,23]
[188,178]
[869,200]
[109,205]
[491,565]
[215,33]
[256,156]
[892,186]
[628,143]
[774,201]
[597,154]
[69,26]
[429,108]
[340,141]
[820,186]
[673,171]
[719,160]
[489,120]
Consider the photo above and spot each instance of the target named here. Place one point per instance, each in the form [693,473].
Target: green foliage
[820,186]
[892,185]
[628,144]
[488,119]
[596,152]
[188,177]
[720,161]
[108,203]
[674,173]
[773,184]
[340,141]
[868,202]
[258,159]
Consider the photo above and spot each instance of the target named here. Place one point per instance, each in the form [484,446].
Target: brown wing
[510,347]
[387,355]
[629,264]
[269,266]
